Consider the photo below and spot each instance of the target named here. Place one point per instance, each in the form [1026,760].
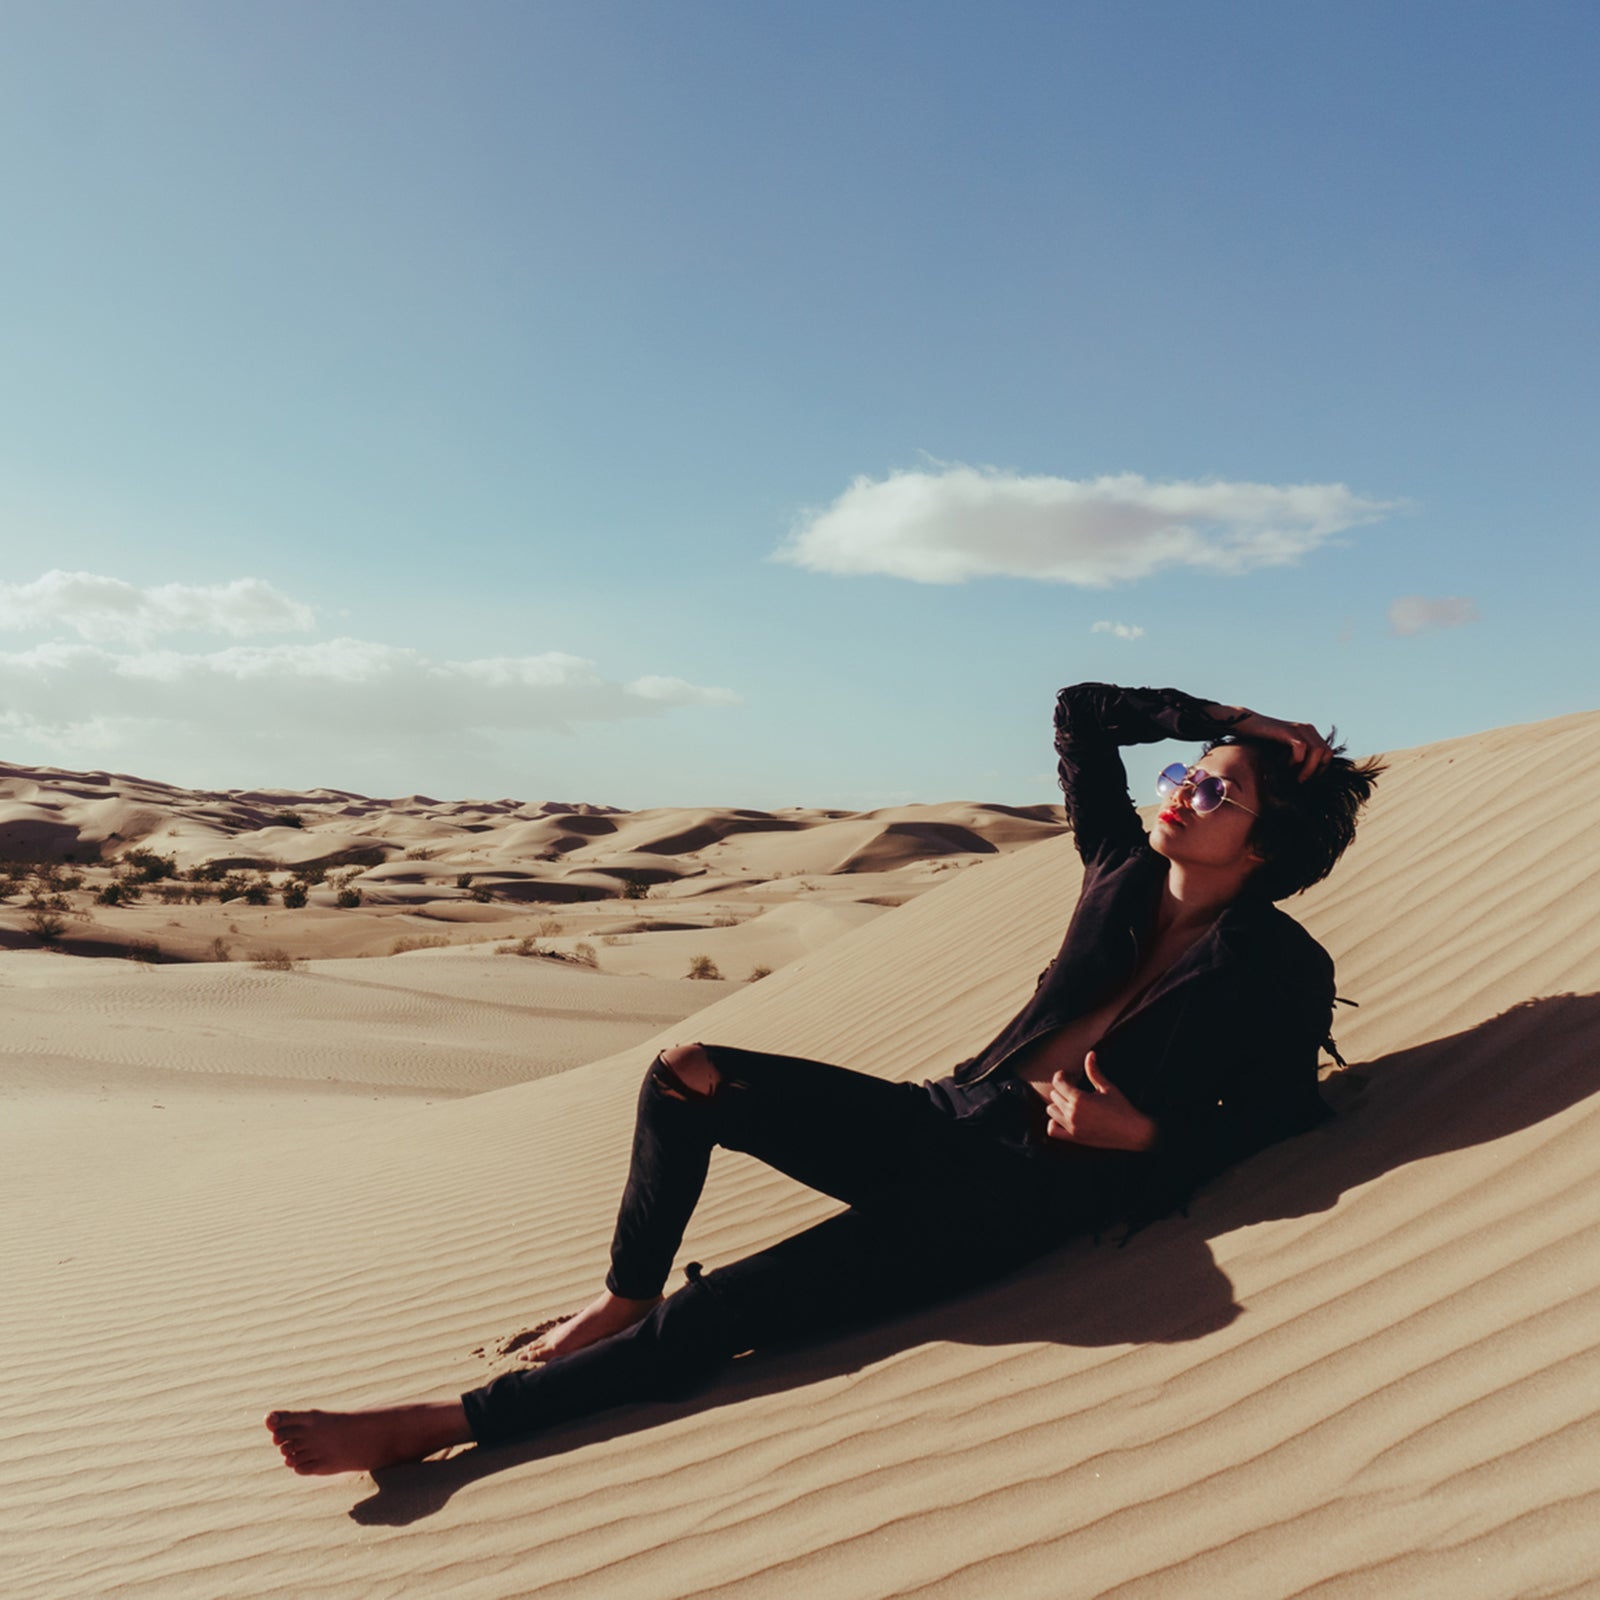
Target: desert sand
[1365,1364]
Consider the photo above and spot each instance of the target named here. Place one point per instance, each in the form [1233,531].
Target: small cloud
[108,609]
[1120,630]
[952,522]
[1413,613]
[676,692]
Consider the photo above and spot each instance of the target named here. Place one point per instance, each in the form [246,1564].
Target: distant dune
[202,875]
[1365,1365]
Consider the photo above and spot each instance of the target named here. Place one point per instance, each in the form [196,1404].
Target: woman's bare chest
[1063,1048]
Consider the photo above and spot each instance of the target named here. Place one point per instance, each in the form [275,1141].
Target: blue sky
[712,403]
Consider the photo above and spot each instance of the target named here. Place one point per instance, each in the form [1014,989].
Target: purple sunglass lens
[1170,779]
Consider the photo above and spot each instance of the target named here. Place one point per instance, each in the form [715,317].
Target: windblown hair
[1305,827]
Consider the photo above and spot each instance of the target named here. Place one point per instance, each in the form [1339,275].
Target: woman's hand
[1310,750]
[1101,1115]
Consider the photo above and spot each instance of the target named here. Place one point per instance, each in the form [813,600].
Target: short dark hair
[1305,827]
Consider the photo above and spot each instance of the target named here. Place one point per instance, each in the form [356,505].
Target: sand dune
[206,876]
[1365,1365]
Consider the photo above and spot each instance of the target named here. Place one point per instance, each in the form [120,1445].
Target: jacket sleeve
[1092,721]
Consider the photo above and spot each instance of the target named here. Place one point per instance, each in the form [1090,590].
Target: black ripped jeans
[947,1187]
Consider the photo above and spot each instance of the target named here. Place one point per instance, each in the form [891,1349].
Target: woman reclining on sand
[1175,1032]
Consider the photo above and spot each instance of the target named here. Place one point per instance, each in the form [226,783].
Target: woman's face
[1219,838]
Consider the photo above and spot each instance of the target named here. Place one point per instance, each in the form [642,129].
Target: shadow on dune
[1516,1070]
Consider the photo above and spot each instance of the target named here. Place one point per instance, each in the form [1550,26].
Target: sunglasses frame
[1188,780]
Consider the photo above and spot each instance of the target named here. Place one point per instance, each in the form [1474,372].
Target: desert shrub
[427,941]
[145,866]
[633,889]
[463,880]
[117,894]
[258,893]
[221,950]
[146,951]
[294,895]
[45,925]
[549,927]
[172,894]
[758,973]
[724,922]
[232,886]
[365,855]
[289,819]
[200,892]
[348,897]
[703,967]
[612,938]
[482,893]
[276,959]
[68,881]
[584,954]
[206,872]
[313,872]
[527,945]
[420,853]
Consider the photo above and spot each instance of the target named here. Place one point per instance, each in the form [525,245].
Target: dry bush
[584,954]
[294,895]
[45,925]
[145,866]
[758,972]
[724,922]
[549,927]
[145,951]
[703,967]
[425,941]
[221,950]
[348,897]
[527,945]
[276,959]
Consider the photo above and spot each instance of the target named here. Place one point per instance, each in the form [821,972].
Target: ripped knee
[686,1072]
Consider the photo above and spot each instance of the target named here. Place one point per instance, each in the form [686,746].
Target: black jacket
[1222,1052]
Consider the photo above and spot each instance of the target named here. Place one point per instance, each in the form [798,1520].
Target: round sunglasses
[1206,792]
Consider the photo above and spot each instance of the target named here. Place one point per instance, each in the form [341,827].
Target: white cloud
[110,610]
[956,522]
[1413,613]
[343,705]
[1121,630]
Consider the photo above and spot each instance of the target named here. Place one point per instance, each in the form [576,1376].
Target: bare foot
[605,1315]
[358,1441]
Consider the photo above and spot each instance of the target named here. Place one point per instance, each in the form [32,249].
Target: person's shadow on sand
[1506,1074]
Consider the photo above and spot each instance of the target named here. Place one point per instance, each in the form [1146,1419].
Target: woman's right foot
[605,1315]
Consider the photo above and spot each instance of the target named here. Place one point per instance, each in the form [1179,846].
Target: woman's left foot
[360,1441]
